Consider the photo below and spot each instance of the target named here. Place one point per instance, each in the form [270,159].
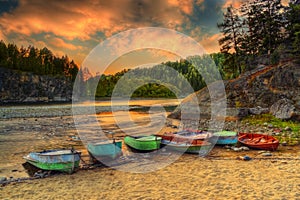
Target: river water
[86,107]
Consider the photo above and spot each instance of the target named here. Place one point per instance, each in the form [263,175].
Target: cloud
[211,43]
[186,6]
[234,3]
[170,43]
[83,19]
[2,36]
[60,43]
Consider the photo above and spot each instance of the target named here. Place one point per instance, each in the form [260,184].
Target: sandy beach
[217,176]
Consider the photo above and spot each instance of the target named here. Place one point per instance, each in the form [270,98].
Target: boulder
[283,109]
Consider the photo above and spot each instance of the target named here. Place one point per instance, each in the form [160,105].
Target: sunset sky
[76,27]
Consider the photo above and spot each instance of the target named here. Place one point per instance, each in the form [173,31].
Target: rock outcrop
[273,89]
[283,109]
[23,87]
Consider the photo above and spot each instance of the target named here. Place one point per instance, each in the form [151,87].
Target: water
[87,107]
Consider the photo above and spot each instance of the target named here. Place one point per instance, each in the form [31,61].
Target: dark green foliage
[260,34]
[38,61]
[166,80]
[153,90]
[293,27]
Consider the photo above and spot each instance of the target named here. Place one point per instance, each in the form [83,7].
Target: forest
[259,31]
[38,61]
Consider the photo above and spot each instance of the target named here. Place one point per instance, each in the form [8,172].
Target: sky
[76,27]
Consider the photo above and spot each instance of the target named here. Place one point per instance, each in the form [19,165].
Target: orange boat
[258,141]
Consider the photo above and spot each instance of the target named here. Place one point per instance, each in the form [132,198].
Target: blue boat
[63,160]
[105,149]
[225,137]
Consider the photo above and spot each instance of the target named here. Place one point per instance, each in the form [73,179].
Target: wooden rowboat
[143,143]
[225,137]
[185,146]
[187,141]
[258,141]
[187,135]
[106,149]
[62,160]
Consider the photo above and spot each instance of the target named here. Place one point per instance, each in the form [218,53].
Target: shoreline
[190,177]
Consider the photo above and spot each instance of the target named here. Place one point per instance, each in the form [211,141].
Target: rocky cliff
[272,89]
[22,87]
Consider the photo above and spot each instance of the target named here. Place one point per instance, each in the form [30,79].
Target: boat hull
[259,141]
[225,137]
[62,160]
[143,143]
[105,150]
[186,147]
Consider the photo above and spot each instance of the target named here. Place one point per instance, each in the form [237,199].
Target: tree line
[259,28]
[167,80]
[39,61]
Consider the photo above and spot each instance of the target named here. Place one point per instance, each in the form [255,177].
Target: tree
[13,54]
[3,54]
[263,22]
[230,43]
[293,27]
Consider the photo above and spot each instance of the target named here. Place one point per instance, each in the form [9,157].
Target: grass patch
[270,119]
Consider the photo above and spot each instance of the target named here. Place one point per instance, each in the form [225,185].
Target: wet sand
[218,176]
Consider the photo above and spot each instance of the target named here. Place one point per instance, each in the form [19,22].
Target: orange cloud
[58,42]
[2,36]
[83,19]
[211,43]
[186,6]
[234,3]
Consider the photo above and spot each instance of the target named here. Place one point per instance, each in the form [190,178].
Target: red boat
[258,141]
[186,135]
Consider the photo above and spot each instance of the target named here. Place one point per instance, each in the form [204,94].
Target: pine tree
[3,54]
[263,22]
[293,27]
[230,43]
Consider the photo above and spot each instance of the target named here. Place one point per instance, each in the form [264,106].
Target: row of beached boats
[188,141]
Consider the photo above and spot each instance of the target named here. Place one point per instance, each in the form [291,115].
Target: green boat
[59,160]
[143,143]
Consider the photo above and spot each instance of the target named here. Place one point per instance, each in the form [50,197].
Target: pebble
[2,179]
[244,148]
[284,143]
[236,149]
[270,125]
[266,154]
[260,152]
